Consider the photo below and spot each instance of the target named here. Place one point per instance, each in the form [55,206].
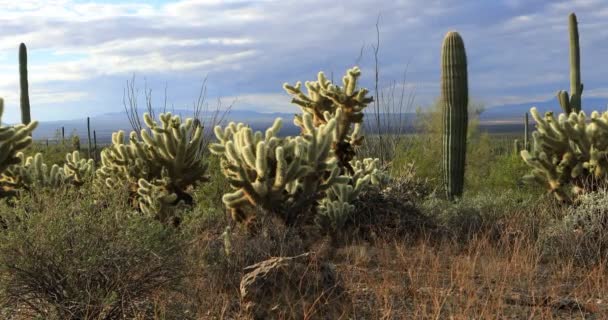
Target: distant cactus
[516,146]
[32,173]
[526,133]
[573,103]
[454,97]
[25,97]
[77,170]
[173,154]
[75,142]
[90,146]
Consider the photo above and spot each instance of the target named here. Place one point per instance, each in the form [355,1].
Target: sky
[82,53]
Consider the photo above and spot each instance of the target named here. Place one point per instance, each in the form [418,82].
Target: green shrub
[476,213]
[65,256]
[582,233]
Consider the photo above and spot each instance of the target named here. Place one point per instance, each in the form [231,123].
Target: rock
[290,287]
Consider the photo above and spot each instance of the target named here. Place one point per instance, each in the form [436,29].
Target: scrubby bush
[66,256]
[474,214]
[582,233]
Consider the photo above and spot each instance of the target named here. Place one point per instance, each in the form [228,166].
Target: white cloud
[517,49]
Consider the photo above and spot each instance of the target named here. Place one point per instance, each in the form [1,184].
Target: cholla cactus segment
[371,167]
[31,173]
[326,101]
[171,150]
[570,152]
[13,139]
[156,201]
[78,170]
[336,208]
[333,215]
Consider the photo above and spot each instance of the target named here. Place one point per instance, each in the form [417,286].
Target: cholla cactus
[571,153]
[277,174]
[303,179]
[157,201]
[78,170]
[13,139]
[171,155]
[323,96]
[31,173]
[335,209]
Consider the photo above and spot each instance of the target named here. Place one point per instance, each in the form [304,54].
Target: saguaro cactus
[25,96]
[526,135]
[89,136]
[454,98]
[573,104]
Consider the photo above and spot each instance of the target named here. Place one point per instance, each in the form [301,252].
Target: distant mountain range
[505,118]
[515,112]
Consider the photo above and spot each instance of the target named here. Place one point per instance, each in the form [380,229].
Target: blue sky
[81,53]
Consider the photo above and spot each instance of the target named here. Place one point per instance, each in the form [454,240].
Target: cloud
[517,50]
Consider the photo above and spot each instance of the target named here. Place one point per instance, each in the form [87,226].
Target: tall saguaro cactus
[573,104]
[454,98]
[89,136]
[25,96]
[526,135]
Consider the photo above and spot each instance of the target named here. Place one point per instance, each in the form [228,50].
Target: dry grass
[494,274]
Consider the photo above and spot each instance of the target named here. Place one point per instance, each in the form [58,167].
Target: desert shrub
[424,149]
[66,256]
[582,233]
[391,211]
[219,253]
[475,214]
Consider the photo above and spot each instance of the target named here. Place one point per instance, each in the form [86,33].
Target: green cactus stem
[526,135]
[25,97]
[89,136]
[454,98]
[573,103]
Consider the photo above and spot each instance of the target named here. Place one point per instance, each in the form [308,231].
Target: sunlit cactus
[307,179]
[171,151]
[571,153]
